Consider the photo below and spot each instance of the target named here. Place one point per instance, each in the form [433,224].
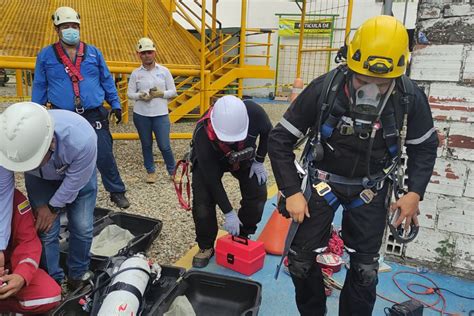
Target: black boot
[119,199]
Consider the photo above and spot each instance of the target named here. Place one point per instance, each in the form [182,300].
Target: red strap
[74,71]
[185,202]
[211,135]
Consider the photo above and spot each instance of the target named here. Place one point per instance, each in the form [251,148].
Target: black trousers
[362,231]
[252,203]
[106,163]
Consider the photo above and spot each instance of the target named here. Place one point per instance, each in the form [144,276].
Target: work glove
[156,93]
[232,223]
[143,96]
[258,169]
[118,115]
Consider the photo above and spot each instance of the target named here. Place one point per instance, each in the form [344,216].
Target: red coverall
[40,292]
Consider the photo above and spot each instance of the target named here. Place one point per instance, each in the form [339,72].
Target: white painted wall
[261,14]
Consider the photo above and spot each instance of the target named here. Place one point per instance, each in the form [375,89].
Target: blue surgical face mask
[70,36]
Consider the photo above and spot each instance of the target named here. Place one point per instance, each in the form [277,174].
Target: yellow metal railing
[194,83]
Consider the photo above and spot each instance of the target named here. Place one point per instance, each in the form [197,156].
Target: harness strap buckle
[367,195]
[322,188]
[322,175]
[346,130]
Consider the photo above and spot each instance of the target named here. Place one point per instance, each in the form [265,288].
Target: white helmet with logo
[145,44]
[26,132]
[229,119]
[66,15]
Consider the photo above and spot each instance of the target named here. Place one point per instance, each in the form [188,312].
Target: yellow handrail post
[214,20]
[269,42]
[207,86]
[19,83]
[221,47]
[203,53]
[145,18]
[125,107]
[348,21]
[171,12]
[243,32]
[300,42]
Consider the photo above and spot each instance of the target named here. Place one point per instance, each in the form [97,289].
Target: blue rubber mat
[278,295]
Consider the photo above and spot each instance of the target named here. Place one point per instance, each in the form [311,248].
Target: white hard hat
[145,44]
[26,132]
[229,119]
[66,15]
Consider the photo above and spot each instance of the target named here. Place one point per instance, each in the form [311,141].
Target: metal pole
[214,20]
[348,21]
[243,32]
[203,53]
[387,7]
[277,66]
[405,13]
[300,41]
[145,18]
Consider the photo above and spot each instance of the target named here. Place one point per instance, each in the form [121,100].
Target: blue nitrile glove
[232,223]
[258,169]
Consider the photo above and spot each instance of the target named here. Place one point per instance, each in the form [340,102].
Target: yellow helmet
[379,48]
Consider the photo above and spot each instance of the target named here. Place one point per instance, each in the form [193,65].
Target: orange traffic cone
[274,233]
[297,88]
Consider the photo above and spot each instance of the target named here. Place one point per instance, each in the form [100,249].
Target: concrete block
[451,102]
[437,63]
[428,211]
[465,252]
[468,73]
[448,178]
[448,30]
[429,12]
[423,247]
[451,10]
[455,214]
[461,140]
[451,93]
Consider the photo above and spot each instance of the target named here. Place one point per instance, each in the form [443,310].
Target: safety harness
[182,183]
[229,153]
[73,70]
[335,119]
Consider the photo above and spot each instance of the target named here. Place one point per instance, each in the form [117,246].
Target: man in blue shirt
[73,76]
[57,150]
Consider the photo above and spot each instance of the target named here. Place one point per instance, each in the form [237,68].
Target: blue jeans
[160,126]
[80,215]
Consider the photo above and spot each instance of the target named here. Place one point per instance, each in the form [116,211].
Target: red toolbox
[240,254]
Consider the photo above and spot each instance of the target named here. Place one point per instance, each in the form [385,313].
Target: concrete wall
[445,67]
[261,14]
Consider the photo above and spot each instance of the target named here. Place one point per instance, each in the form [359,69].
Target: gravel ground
[159,200]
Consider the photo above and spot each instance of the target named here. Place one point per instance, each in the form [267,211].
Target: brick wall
[443,63]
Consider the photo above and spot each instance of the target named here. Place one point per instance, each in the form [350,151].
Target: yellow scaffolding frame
[215,62]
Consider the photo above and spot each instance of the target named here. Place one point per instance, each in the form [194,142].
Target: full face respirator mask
[367,106]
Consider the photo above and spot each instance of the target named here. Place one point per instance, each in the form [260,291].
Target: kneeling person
[27,289]
[225,141]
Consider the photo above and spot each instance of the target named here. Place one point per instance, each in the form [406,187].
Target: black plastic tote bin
[145,230]
[215,295]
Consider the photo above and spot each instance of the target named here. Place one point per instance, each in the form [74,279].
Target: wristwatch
[55,210]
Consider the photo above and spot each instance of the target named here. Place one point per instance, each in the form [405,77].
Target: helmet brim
[35,161]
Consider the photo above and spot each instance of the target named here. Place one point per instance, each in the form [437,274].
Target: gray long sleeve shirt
[73,162]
